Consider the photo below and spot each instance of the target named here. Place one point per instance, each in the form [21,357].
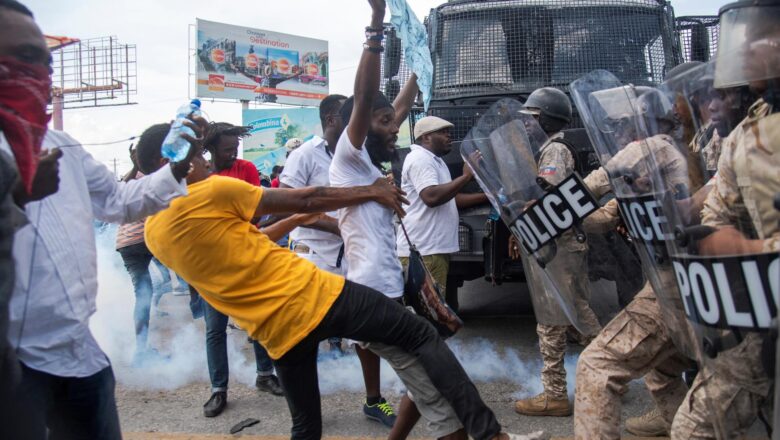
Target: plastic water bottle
[175,147]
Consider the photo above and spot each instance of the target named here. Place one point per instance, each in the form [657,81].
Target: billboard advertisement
[271,129]
[235,62]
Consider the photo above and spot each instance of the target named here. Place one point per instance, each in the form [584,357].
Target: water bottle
[175,147]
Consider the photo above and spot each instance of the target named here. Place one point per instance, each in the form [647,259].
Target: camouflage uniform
[555,164]
[706,145]
[636,343]
[735,382]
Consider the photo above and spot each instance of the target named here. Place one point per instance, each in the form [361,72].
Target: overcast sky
[160,29]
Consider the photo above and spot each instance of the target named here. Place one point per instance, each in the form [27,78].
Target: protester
[368,230]
[308,165]
[26,173]
[222,141]
[432,216]
[67,382]
[136,258]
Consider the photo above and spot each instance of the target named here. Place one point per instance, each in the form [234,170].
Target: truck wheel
[451,294]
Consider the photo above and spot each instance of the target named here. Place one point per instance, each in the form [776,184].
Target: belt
[300,248]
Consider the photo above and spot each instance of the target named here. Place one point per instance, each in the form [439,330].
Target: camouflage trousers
[552,345]
[726,396]
[634,344]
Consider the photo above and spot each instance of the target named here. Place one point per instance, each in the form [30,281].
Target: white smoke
[182,340]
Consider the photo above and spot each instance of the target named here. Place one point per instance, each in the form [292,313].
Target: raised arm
[325,198]
[405,99]
[366,80]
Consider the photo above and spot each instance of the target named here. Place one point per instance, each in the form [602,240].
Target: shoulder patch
[548,171]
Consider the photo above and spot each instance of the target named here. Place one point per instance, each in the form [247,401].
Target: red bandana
[24,93]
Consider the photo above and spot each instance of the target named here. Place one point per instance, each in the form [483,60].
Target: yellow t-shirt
[206,237]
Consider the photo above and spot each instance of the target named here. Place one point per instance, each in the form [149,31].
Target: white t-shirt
[308,165]
[432,230]
[368,229]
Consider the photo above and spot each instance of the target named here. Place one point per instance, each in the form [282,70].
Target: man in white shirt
[308,165]
[432,216]
[67,382]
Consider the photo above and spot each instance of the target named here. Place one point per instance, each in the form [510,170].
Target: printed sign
[270,131]
[546,219]
[730,292]
[235,62]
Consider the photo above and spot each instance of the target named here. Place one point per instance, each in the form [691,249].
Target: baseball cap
[429,124]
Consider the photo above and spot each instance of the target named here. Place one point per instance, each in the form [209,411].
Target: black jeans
[70,407]
[364,314]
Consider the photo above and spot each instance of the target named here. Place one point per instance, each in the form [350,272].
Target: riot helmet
[749,44]
[551,106]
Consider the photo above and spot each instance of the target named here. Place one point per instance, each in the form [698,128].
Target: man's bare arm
[284,226]
[469,200]
[366,81]
[405,99]
[324,199]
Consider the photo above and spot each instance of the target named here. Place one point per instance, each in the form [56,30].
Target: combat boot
[649,424]
[542,405]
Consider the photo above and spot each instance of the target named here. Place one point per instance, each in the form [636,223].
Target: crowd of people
[701,151]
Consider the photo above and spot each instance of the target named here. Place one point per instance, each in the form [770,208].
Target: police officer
[637,342]
[552,109]
[728,394]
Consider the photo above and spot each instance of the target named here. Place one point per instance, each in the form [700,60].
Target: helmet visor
[749,47]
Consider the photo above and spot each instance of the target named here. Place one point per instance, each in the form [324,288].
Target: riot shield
[725,254]
[611,114]
[502,149]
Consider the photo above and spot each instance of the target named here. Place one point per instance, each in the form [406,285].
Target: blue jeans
[70,407]
[136,258]
[216,350]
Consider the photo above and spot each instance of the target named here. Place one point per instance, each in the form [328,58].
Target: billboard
[270,131]
[235,62]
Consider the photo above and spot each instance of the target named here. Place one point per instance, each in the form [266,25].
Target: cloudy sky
[161,31]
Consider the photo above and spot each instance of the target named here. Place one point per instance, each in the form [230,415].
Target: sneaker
[269,384]
[541,405]
[649,424]
[216,404]
[381,412]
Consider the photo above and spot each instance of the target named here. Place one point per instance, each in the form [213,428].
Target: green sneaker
[381,412]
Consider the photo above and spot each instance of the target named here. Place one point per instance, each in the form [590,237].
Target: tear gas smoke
[182,341]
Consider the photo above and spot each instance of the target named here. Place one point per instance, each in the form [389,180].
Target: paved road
[497,347]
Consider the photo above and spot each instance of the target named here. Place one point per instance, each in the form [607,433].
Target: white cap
[429,124]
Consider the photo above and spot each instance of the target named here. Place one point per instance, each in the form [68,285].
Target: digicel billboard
[238,60]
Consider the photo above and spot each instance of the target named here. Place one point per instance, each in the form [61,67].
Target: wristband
[375,30]
[373,49]
[375,37]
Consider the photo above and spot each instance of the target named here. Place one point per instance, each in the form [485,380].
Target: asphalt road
[498,347]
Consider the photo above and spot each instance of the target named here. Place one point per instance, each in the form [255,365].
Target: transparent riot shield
[725,254]
[610,113]
[502,149]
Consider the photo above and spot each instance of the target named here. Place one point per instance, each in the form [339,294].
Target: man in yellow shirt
[285,302]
